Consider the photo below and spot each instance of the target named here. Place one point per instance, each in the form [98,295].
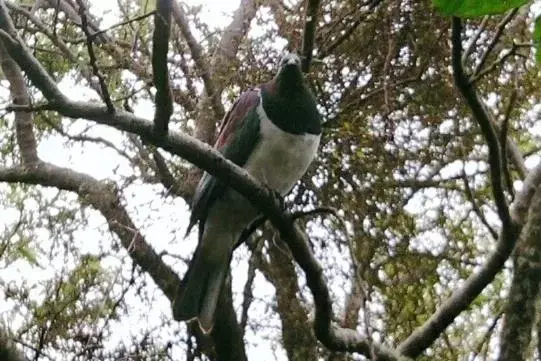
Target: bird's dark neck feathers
[289,104]
[289,81]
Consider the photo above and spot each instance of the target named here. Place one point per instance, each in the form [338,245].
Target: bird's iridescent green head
[289,77]
[290,59]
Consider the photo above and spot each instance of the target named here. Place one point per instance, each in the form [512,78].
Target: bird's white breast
[280,159]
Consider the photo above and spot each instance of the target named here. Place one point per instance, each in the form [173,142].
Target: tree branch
[224,55]
[8,351]
[172,184]
[525,286]
[310,24]
[504,141]
[160,47]
[197,53]
[93,62]
[297,337]
[473,41]
[499,31]
[59,43]
[74,15]
[26,139]
[481,116]
[104,197]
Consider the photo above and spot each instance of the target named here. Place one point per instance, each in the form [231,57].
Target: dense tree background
[426,179]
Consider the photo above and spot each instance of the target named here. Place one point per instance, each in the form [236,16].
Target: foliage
[471,8]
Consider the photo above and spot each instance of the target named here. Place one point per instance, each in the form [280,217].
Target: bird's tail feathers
[201,288]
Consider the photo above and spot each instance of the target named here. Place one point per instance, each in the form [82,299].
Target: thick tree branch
[160,47]
[105,198]
[520,312]
[26,140]
[310,25]
[207,158]
[297,336]
[8,351]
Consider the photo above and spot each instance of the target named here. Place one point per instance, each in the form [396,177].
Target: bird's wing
[238,136]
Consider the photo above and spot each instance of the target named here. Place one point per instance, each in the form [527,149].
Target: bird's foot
[278,198]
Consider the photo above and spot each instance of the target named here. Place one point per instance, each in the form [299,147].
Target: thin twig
[93,62]
[114,26]
[503,141]
[473,41]
[196,50]
[169,181]
[492,66]
[469,194]
[499,31]
[351,29]
[247,293]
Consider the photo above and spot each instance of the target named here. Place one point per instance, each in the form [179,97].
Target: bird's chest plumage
[280,158]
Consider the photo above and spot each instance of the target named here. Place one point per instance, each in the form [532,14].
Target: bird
[273,131]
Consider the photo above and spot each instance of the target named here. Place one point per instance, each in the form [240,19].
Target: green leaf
[28,253]
[472,8]
[147,5]
[537,39]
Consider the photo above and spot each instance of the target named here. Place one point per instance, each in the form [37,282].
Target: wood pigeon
[273,132]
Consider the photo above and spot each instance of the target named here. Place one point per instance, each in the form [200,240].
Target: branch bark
[520,313]
[8,351]
[160,47]
[310,24]
[224,55]
[197,53]
[297,336]
[481,116]
[26,140]
[74,16]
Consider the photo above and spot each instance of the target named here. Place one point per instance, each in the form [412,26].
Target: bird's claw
[278,198]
